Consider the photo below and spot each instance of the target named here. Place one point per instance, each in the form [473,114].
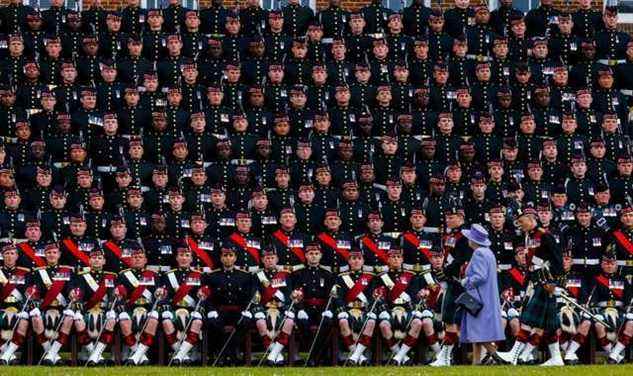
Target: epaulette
[370,273]
[298,267]
[344,273]
[23,268]
[323,268]
[40,268]
[110,273]
[83,272]
[214,271]
[124,270]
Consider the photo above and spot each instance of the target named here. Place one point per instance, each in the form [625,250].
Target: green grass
[451,371]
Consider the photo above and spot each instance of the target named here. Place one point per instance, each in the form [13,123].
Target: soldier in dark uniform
[458,18]
[14,15]
[186,295]
[288,242]
[513,283]
[334,20]
[213,19]
[159,243]
[456,247]
[112,40]
[584,239]
[418,242]
[133,17]
[500,17]
[542,21]
[118,248]
[296,18]
[611,44]
[374,244]
[232,289]
[376,17]
[539,318]
[77,247]
[247,245]
[336,245]
[316,283]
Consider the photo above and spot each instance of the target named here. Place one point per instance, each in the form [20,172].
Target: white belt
[611,61]
[625,262]
[106,169]
[627,92]
[375,269]
[505,266]
[581,261]
[610,304]
[416,267]
[341,269]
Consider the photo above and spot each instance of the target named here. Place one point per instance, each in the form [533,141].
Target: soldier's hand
[160,293]
[549,287]
[75,294]
[203,293]
[247,315]
[422,294]
[379,292]
[506,294]
[119,292]
[327,314]
[296,295]
[32,291]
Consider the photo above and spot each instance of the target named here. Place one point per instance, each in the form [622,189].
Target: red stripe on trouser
[603,342]
[83,337]
[552,338]
[391,342]
[523,336]
[41,338]
[432,339]
[348,341]
[171,338]
[450,338]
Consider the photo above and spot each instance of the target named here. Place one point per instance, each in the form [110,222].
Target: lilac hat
[477,234]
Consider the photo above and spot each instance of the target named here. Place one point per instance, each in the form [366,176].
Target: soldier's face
[9,258]
[543,98]
[260,202]
[184,259]
[33,233]
[381,51]
[78,228]
[135,201]
[233,27]
[339,50]
[346,153]
[118,231]
[521,256]
[69,74]
[139,260]
[375,225]
[53,49]
[437,261]
[565,26]
[96,202]
[233,75]
[58,201]
[356,262]
[90,48]
[528,126]
[350,194]
[408,176]
[395,261]
[559,199]
[610,20]
[192,22]
[602,198]
[598,151]
[174,46]
[155,21]
[313,257]
[299,51]
[454,220]
[8,99]
[84,181]
[518,29]
[123,179]
[244,224]
[304,152]
[270,261]
[228,259]
[97,261]
[159,224]
[627,220]
[579,169]
[44,179]
[421,51]
[584,218]
[332,223]
[625,168]
[198,226]
[605,81]
[527,222]
[218,198]
[282,180]
[357,25]
[482,16]
[16,48]
[500,50]
[108,74]
[52,255]
[306,195]
[609,266]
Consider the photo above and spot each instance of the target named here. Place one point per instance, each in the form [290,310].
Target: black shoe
[493,359]
[175,363]
[47,363]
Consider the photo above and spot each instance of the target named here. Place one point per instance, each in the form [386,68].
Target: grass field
[452,371]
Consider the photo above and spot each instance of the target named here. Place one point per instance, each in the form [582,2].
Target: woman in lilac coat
[481,283]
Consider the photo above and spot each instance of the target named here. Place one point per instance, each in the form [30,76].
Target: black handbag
[469,303]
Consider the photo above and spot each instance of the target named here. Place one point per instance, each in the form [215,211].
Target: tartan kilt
[541,311]
[450,312]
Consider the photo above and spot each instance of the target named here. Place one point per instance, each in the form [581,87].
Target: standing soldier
[77,247]
[200,244]
[355,300]
[621,240]
[540,315]
[137,290]
[288,242]
[185,293]
[118,248]
[458,255]
[335,245]
[14,323]
[247,245]
[31,251]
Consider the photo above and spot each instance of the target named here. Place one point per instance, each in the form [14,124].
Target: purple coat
[481,283]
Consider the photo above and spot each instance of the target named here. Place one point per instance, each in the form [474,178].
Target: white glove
[302,315]
[463,282]
[513,313]
[289,314]
[167,315]
[384,315]
[600,317]
[371,316]
[23,315]
[629,316]
[260,316]
[342,316]
[558,291]
[78,316]
[504,314]
[247,315]
[69,313]
[196,315]
[124,316]
[427,314]
[212,315]
[153,315]
[110,315]
[327,314]
[35,312]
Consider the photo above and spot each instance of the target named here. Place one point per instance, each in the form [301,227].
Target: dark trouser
[313,321]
